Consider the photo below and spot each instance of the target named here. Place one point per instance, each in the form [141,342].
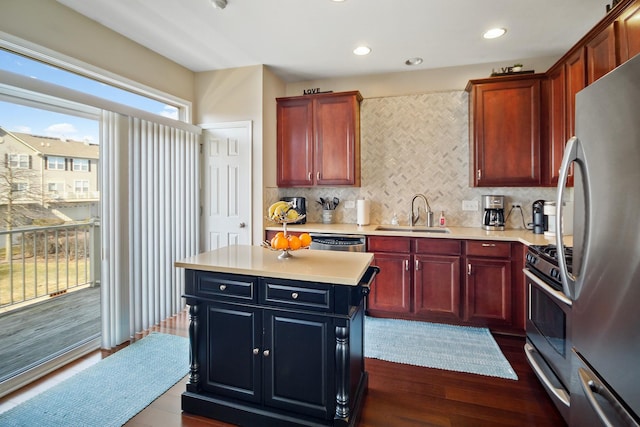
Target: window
[19,161]
[55,163]
[19,187]
[81,186]
[81,165]
[55,187]
[160,104]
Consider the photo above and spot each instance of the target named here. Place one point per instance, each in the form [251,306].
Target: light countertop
[526,237]
[342,268]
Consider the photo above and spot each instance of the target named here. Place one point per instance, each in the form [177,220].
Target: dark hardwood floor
[398,395]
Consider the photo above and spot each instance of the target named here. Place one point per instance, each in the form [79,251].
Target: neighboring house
[56,178]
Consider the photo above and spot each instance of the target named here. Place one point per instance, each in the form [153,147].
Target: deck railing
[39,262]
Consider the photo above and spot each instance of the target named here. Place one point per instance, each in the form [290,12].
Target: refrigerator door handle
[570,155]
[591,387]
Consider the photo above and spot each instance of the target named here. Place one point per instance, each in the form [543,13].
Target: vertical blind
[150,220]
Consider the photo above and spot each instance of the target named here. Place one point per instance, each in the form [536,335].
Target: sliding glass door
[49,237]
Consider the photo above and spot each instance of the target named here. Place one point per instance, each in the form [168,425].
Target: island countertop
[341,268]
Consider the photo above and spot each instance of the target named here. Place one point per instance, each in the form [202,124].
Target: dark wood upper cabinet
[555,101]
[601,54]
[576,80]
[505,131]
[318,140]
[628,32]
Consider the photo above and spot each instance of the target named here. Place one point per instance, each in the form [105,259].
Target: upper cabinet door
[575,72]
[319,140]
[628,27]
[601,54]
[295,142]
[337,139]
[505,131]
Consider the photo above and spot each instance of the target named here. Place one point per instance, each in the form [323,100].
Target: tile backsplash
[416,144]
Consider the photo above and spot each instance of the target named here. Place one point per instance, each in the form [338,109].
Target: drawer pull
[256,351]
[406,265]
[223,287]
[294,295]
[469,269]
[488,245]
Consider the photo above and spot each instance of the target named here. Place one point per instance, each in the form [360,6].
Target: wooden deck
[35,332]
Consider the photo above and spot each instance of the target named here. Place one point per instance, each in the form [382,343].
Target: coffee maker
[493,212]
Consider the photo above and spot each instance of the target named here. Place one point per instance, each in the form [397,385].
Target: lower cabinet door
[298,363]
[488,292]
[230,351]
[391,289]
[437,287]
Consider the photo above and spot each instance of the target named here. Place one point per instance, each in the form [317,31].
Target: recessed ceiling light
[494,33]
[362,50]
[413,61]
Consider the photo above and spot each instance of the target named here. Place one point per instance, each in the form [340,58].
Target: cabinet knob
[318,176]
[242,225]
[294,295]
[417,265]
[406,265]
[266,353]
[309,176]
[256,351]
[223,287]
[469,269]
[479,174]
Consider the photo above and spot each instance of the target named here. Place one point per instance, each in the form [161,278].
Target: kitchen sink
[414,229]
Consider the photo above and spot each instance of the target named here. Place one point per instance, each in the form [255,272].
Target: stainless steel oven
[548,327]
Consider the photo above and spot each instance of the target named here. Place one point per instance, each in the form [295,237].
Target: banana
[275,205]
[278,210]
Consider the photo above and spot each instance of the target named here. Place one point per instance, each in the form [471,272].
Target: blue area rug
[110,392]
[433,345]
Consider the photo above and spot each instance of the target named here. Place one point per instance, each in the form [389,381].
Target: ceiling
[303,40]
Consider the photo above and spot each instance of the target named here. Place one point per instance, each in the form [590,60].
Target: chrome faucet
[415,215]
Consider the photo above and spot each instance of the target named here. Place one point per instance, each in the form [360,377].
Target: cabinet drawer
[389,244]
[226,287]
[310,296]
[489,249]
[438,246]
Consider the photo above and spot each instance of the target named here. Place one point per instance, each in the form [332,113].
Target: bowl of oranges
[288,242]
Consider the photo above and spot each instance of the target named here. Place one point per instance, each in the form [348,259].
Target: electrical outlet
[349,204]
[470,205]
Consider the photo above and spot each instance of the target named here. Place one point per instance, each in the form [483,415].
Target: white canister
[363,208]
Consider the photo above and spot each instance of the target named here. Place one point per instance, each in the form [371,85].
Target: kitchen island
[276,341]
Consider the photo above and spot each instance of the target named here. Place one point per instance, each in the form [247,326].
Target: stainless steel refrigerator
[605,285]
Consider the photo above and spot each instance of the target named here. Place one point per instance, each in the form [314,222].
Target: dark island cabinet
[274,352]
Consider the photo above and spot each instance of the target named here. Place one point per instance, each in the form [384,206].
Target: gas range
[543,262]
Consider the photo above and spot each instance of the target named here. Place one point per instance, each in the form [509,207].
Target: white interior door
[226,189]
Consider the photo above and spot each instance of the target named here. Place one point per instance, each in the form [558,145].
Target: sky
[18,118]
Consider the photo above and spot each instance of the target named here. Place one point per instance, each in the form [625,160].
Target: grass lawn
[40,278]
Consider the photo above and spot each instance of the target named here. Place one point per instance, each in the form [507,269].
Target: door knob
[243,225]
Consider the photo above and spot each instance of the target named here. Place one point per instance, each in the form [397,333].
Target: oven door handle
[560,296]
[560,394]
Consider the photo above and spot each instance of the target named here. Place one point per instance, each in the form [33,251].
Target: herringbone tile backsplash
[415,144]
